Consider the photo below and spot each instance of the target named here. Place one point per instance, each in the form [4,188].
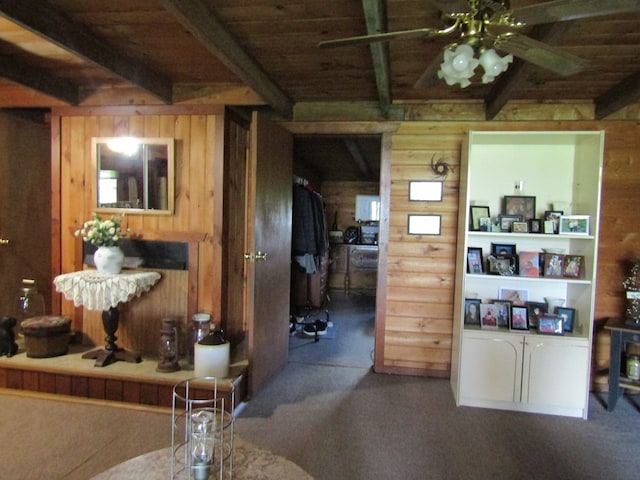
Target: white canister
[212,360]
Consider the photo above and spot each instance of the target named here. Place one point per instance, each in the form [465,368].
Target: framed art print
[474,260]
[568,316]
[574,225]
[476,212]
[519,318]
[472,311]
[521,205]
[550,324]
[535,310]
[529,264]
[573,266]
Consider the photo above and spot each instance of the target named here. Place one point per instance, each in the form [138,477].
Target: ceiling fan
[486,26]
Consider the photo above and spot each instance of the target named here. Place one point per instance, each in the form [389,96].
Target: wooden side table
[621,335]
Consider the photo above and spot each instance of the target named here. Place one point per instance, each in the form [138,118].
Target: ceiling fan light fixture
[458,65]
[493,64]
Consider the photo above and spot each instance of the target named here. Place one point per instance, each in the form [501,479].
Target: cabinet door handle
[4,241]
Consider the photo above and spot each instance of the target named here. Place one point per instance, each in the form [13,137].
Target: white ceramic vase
[109,259]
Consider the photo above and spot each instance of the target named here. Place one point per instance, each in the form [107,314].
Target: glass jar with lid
[200,328]
[30,303]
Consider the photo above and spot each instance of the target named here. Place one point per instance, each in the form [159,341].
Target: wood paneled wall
[198,134]
[340,198]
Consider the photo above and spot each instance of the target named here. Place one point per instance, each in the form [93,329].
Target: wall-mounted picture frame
[522,205]
[573,266]
[552,216]
[529,264]
[552,264]
[519,318]
[476,212]
[507,220]
[474,260]
[472,311]
[535,310]
[424,224]
[574,225]
[503,265]
[550,324]
[502,311]
[568,317]
[520,227]
[503,249]
[517,296]
[488,317]
[426,190]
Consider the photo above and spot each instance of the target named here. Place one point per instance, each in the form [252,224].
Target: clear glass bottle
[30,304]
[200,327]
[633,367]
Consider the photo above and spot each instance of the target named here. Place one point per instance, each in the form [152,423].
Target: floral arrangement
[632,287]
[102,233]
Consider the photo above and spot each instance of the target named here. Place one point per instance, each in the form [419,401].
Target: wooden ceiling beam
[618,97]
[358,158]
[45,21]
[376,20]
[198,18]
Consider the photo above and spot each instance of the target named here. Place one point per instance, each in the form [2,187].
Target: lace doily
[99,291]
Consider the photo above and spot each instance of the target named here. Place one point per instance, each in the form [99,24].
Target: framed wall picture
[573,266]
[516,296]
[424,224]
[521,205]
[574,225]
[472,311]
[519,318]
[552,264]
[488,318]
[476,212]
[474,260]
[535,309]
[507,220]
[550,324]
[529,264]
[426,190]
[568,316]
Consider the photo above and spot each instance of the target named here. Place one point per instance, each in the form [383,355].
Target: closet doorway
[334,309]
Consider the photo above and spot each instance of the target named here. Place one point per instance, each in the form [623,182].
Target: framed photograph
[503,249]
[519,318]
[502,311]
[520,227]
[474,260]
[424,224]
[488,318]
[529,264]
[573,266]
[476,212]
[552,216]
[550,324]
[520,205]
[568,316]
[534,310]
[507,220]
[517,297]
[535,226]
[552,264]
[485,224]
[426,190]
[472,311]
[574,225]
[548,226]
[503,265]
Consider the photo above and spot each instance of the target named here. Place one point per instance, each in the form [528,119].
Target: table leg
[111,352]
[614,369]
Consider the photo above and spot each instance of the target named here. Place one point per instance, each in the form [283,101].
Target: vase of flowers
[632,290]
[105,234]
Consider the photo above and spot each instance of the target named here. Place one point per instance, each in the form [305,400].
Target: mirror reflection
[134,174]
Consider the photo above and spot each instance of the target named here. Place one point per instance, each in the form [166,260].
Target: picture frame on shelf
[520,227]
[507,220]
[573,266]
[574,225]
[552,264]
[529,264]
[472,311]
[519,318]
[535,310]
[553,216]
[485,224]
[522,205]
[503,249]
[474,260]
[506,265]
[550,324]
[488,317]
[568,317]
[535,226]
[502,312]
[476,212]
[517,297]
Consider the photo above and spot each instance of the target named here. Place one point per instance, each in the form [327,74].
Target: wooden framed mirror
[134,175]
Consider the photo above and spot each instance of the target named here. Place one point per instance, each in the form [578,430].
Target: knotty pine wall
[198,134]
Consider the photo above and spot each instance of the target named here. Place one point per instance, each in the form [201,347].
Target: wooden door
[269,202]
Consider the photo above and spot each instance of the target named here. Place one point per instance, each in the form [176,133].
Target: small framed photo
[552,265]
[485,224]
[574,225]
[573,266]
[519,318]
[507,220]
[503,265]
[472,311]
[552,216]
[550,324]
[529,264]
[503,249]
[502,310]
[520,227]
[474,260]
[568,316]
[488,317]
[535,310]
[520,205]
[476,212]
[517,297]
[535,225]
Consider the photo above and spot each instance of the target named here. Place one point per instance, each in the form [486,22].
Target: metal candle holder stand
[201,431]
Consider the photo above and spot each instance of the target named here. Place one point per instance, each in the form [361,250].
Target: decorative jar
[109,259]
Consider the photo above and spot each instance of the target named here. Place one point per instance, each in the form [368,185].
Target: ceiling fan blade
[541,54]
[430,76]
[562,10]
[452,6]
[381,37]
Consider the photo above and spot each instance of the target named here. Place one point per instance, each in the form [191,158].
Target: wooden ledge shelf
[137,383]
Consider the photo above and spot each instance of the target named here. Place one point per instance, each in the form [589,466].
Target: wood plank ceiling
[265,52]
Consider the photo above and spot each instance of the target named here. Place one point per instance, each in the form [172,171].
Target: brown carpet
[51,437]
